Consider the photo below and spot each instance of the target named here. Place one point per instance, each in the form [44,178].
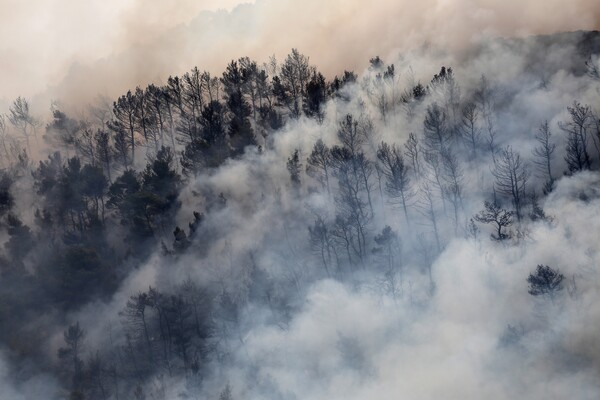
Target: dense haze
[424,227]
[52,47]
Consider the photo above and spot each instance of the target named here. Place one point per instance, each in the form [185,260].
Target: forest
[425,228]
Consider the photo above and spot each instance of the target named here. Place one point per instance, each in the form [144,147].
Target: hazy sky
[43,38]
[73,49]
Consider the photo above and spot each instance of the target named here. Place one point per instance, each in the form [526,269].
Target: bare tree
[544,154]
[353,134]
[434,173]
[436,134]
[20,117]
[388,251]
[469,127]
[453,182]
[511,175]
[4,141]
[427,206]
[485,101]
[412,152]
[318,164]
[321,242]
[397,186]
[353,174]
[445,87]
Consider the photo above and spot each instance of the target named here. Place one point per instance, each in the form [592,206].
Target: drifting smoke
[479,334]
[54,48]
[450,320]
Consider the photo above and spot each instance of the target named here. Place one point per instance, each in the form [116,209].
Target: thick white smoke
[459,324]
[476,334]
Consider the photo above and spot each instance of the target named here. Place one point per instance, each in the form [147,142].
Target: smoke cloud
[453,320]
[52,49]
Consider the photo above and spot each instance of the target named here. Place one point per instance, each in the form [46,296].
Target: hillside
[426,228]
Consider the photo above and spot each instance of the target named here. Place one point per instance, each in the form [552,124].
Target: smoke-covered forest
[424,228]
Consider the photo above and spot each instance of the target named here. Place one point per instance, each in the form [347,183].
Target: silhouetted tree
[511,175]
[412,152]
[544,154]
[353,134]
[397,185]
[70,355]
[294,167]
[453,182]
[318,164]
[545,282]
[6,198]
[445,87]
[435,129]
[469,127]
[63,131]
[210,148]
[388,249]
[316,94]
[338,83]
[577,156]
[493,214]
[239,127]
[21,118]
[103,151]
[426,204]
[321,242]
[20,240]
[124,124]
[291,84]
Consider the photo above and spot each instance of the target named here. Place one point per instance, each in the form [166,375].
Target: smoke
[44,42]
[63,50]
[477,333]
[458,323]
[15,388]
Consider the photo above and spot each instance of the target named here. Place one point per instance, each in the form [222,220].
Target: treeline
[108,196]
